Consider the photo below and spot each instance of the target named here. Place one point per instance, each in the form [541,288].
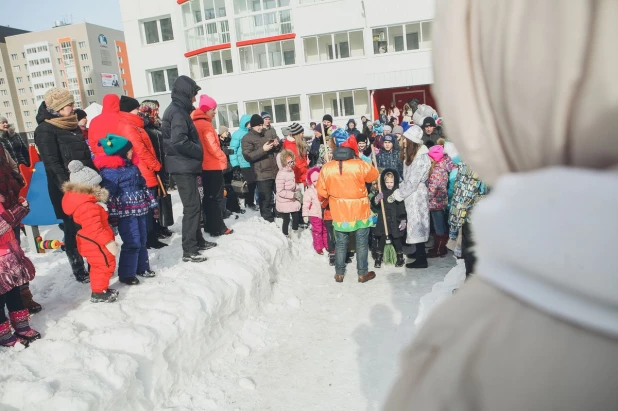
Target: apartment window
[40,98]
[4,92]
[84,57]
[61,72]
[211,64]
[82,44]
[88,80]
[16,67]
[205,23]
[163,79]
[22,91]
[90,92]
[227,115]
[19,79]
[9,115]
[60,62]
[121,70]
[57,49]
[124,82]
[339,103]
[267,55]
[120,60]
[30,136]
[33,103]
[26,113]
[23,55]
[86,69]
[393,39]
[28,124]
[156,31]
[1,81]
[45,60]
[24,102]
[334,46]
[13,56]
[7,104]
[283,109]
[31,50]
[266,18]
[118,49]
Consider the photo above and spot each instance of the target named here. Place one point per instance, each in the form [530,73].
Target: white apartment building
[87,59]
[297,59]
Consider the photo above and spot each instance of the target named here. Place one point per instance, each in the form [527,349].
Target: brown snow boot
[367,277]
[27,300]
[439,247]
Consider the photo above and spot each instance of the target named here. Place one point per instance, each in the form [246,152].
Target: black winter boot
[153,241]
[164,232]
[77,265]
[378,261]
[348,259]
[331,259]
[419,263]
[108,296]
[400,260]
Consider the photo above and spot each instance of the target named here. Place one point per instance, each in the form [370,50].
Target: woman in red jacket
[95,240]
[295,142]
[215,161]
[131,127]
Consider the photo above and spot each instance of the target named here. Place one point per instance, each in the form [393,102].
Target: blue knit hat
[114,145]
[340,135]
[266,114]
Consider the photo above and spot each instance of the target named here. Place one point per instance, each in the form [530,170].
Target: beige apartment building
[89,60]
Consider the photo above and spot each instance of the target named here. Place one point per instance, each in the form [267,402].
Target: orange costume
[342,182]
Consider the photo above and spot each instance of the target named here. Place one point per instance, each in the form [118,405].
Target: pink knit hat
[207,103]
[436,152]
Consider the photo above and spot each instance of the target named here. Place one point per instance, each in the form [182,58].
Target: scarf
[65,123]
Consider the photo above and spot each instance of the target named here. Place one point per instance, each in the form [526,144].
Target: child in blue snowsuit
[128,205]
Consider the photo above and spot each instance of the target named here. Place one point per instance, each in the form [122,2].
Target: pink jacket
[286,191]
[311,204]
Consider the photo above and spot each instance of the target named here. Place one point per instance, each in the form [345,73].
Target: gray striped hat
[296,128]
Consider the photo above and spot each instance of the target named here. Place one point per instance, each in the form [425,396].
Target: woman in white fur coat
[413,192]
[537,328]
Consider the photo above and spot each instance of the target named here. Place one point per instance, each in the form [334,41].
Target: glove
[306,220]
[378,198]
[157,213]
[112,247]
[24,202]
[391,198]
[6,215]
[113,221]
[403,225]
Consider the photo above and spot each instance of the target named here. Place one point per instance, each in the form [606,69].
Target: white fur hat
[414,134]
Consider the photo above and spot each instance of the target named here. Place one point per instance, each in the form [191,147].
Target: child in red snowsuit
[96,240]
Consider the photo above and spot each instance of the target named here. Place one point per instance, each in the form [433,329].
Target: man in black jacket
[183,160]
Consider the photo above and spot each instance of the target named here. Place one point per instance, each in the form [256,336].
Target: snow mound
[441,291]
[131,355]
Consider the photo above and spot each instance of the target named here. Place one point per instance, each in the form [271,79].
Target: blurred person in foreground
[537,328]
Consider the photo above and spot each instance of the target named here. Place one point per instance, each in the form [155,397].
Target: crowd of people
[110,178]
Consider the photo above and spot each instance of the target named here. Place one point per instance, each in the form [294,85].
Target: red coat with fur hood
[80,203]
[131,127]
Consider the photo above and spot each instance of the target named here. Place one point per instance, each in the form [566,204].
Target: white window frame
[257,24]
[209,59]
[268,56]
[90,92]
[336,48]
[82,44]
[16,67]
[386,29]
[272,110]
[204,32]
[168,88]
[142,24]
[228,109]
[340,107]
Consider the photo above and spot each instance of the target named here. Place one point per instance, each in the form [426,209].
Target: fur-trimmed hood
[77,194]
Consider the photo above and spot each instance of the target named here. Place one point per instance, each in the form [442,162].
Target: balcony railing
[266,24]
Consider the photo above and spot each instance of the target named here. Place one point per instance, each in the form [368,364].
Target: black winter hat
[128,104]
[256,120]
[361,137]
[81,114]
[429,122]
[327,117]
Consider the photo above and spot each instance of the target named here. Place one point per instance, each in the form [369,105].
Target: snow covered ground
[262,325]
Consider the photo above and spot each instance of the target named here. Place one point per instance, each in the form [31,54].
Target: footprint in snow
[247,383]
